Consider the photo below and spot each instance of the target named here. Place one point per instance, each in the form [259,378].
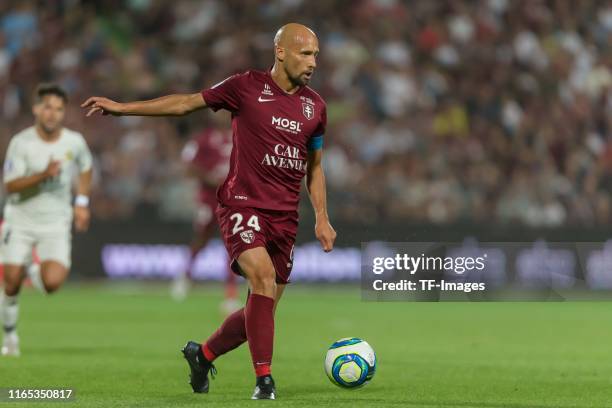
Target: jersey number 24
[253,222]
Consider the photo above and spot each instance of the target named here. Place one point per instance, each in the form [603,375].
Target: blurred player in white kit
[40,167]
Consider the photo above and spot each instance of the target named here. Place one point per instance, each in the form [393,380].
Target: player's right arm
[224,95]
[23,183]
[170,105]
[15,178]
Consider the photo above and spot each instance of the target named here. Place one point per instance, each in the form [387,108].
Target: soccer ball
[350,363]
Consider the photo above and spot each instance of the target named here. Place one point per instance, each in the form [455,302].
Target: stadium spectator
[438,111]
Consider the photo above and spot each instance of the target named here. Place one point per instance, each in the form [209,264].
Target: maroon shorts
[246,228]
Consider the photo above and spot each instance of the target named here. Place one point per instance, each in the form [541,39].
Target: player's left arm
[81,203]
[315,185]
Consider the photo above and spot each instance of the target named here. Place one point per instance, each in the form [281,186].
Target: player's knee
[11,289]
[263,280]
[52,286]
[52,283]
[53,277]
[12,282]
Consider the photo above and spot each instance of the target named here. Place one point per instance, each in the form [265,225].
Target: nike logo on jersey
[260,99]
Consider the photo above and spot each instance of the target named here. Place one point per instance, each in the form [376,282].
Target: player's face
[49,113]
[301,60]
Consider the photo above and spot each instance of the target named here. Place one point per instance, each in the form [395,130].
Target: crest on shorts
[247,236]
[308,110]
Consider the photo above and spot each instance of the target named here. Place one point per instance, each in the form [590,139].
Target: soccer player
[207,159]
[39,168]
[278,124]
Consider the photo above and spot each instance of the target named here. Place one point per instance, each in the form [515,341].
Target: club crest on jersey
[247,236]
[308,110]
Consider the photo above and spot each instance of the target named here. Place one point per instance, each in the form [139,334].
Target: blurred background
[447,119]
[483,122]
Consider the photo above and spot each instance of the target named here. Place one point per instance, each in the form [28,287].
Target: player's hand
[326,234]
[103,105]
[53,168]
[81,218]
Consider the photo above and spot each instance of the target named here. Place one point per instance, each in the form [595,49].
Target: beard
[300,80]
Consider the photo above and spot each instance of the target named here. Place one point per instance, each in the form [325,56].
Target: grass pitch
[118,345]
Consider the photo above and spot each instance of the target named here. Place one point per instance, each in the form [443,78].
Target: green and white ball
[350,363]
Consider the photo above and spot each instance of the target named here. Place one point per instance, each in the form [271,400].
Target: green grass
[118,345]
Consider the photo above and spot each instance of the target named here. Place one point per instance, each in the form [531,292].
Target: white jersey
[49,203]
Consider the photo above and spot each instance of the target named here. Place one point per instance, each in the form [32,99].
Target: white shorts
[52,244]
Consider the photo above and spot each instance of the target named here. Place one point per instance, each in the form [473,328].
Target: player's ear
[280,53]
[35,109]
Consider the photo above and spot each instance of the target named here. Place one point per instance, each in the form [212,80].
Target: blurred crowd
[439,111]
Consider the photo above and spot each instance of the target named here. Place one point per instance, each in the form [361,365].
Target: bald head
[295,49]
[291,34]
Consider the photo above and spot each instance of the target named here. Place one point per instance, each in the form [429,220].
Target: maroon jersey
[210,152]
[272,133]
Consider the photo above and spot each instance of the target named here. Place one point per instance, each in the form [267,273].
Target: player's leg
[13,277]
[54,253]
[278,257]
[9,308]
[198,242]
[200,239]
[232,333]
[33,272]
[204,229]
[17,247]
[280,289]
[259,271]
[264,385]
[53,274]
[231,303]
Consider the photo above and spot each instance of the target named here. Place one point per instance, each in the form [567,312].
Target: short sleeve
[225,94]
[83,159]
[14,162]
[316,140]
